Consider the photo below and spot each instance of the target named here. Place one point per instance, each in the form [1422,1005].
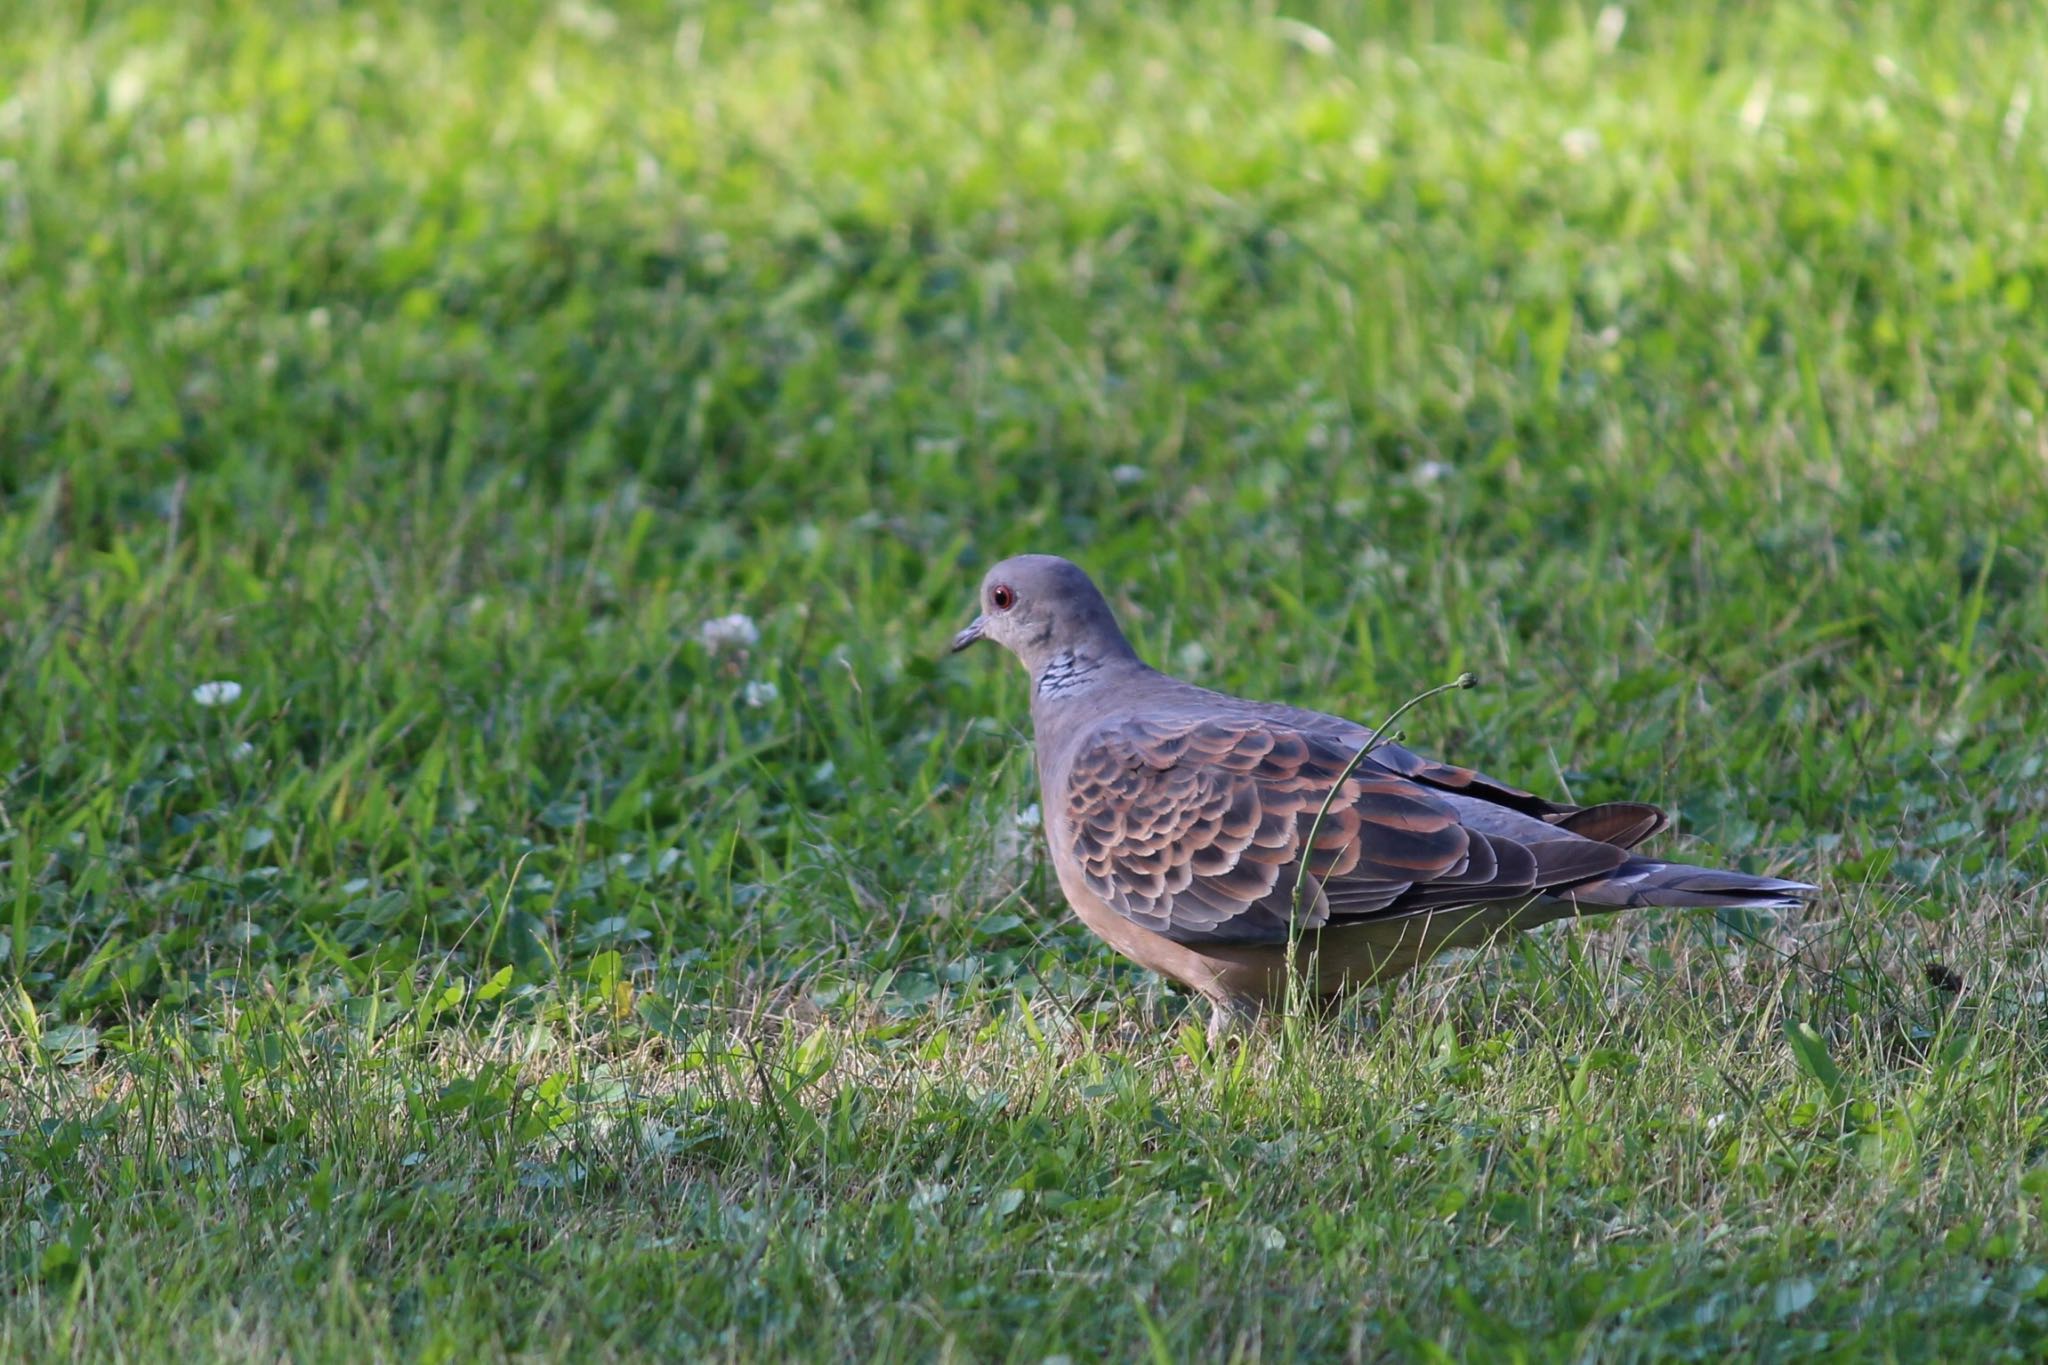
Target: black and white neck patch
[1066,673]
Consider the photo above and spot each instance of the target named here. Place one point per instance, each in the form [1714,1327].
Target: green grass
[509,972]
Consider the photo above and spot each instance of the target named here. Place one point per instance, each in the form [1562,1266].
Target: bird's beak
[971,634]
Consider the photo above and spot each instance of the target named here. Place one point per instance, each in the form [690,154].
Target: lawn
[494,862]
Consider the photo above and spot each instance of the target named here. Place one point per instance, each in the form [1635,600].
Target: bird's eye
[1002,597]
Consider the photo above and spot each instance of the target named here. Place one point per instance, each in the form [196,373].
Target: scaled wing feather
[1197,829]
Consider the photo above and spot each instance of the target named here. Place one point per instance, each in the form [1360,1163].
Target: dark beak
[971,634]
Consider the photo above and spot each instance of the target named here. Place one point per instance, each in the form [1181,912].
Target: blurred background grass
[434,373]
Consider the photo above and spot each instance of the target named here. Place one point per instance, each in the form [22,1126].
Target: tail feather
[1651,882]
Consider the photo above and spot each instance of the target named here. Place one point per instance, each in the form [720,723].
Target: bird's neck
[1082,675]
[1067,673]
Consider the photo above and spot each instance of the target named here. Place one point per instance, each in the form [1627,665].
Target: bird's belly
[1333,962]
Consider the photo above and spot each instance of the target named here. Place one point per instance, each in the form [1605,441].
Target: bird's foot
[1231,1017]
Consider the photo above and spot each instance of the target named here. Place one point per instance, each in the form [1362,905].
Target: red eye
[1003,598]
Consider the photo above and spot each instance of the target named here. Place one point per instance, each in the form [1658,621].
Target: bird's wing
[1621,823]
[1197,828]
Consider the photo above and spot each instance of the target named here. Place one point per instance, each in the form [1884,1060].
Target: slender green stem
[1382,735]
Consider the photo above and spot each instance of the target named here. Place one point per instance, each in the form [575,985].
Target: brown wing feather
[1621,823]
[1198,830]
[1465,781]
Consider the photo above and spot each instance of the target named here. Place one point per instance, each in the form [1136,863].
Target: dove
[1247,849]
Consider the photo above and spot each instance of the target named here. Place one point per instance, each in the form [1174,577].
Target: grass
[512,968]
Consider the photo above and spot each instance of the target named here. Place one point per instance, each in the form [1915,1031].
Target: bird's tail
[1651,881]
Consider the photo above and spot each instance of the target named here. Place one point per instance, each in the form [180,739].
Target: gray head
[1042,608]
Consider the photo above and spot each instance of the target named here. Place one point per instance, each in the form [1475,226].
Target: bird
[1256,852]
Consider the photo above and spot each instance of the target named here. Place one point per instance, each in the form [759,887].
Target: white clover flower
[1029,817]
[1124,475]
[722,632]
[1580,143]
[1609,27]
[1432,471]
[760,694]
[222,693]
